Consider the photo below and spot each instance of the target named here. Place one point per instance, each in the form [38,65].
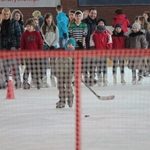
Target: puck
[87,115]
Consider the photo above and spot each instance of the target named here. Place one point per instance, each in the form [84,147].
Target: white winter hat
[79,11]
[136,25]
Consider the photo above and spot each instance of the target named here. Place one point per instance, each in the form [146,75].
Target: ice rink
[31,121]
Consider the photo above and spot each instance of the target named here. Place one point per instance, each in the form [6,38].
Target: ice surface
[31,121]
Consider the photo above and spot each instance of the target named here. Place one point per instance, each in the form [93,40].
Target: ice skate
[44,82]
[39,84]
[114,79]
[70,102]
[26,85]
[33,83]
[60,104]
[18,85]
[53,82]
[122,79]
[99,82]
[134,80]
[140,80]
[105,82]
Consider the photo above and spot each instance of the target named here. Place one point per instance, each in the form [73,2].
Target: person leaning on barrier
[10,34]
[101,39]
[136,40]
[89,65]
[119,42]
[32,40]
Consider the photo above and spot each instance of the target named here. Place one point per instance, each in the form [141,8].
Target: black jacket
[91,24]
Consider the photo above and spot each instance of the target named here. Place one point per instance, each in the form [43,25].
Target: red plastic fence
[77,55]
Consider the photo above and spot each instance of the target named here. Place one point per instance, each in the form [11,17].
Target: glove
[52,47]
[65,35]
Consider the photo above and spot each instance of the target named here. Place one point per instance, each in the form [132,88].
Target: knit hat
[103,20]
[136,25]
[72,41]
[118,25]
[101,29]
[79,12]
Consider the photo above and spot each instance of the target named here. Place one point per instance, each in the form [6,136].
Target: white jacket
[51,38]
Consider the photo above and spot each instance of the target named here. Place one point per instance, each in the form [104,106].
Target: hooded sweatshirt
[62,23]
[31,41]
[121,19]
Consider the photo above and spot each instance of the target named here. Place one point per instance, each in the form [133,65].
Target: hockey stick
[111,97]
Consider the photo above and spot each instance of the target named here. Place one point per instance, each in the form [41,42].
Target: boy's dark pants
[64,85]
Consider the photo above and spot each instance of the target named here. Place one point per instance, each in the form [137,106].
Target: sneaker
[60,104]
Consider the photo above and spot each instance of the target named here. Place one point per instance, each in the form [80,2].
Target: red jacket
[119,42]
[31,41]
[101,40]
[121,19]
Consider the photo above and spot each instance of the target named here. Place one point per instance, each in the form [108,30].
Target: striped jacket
[78,31]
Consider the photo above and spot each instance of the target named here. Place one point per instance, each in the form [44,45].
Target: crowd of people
[75,30]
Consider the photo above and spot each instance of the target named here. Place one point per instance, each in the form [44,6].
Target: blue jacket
[62,23]
[13,33]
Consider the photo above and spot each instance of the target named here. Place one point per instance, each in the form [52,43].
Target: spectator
[36,22]
[85,14]
[101,39]
[50,36]
[10,34]
[17,15]
[62,24]
[71,15]
[88,62]
[121,19]
[136,40]
[78,30]
[146,14]
[32,40]
[119,42]
[2,79]
[37,14]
